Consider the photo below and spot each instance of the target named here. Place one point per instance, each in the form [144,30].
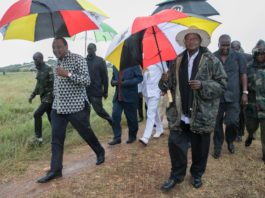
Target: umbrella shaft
[160,57]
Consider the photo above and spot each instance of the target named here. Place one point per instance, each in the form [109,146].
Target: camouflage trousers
[252,124]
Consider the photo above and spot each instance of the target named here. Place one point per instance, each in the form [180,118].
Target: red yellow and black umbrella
[155,35]
[35,20]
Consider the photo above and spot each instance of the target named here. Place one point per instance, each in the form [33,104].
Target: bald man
[44,88]
[235,66]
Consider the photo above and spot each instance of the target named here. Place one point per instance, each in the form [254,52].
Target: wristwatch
[245,92]
[69,74]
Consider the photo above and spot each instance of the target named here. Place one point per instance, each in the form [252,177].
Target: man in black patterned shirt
[70,105]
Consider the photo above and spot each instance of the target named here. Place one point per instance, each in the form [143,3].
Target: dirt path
[137,171]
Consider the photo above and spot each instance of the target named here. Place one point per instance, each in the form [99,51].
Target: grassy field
[17,124]
[129,171]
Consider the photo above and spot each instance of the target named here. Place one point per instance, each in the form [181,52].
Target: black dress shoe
[169,184]
[100,158]
[216,154]
[130,140]
[248,141]
[115,141]
[50,176]
[231,147]
[196,182]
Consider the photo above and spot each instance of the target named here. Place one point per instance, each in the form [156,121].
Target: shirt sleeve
[242,64]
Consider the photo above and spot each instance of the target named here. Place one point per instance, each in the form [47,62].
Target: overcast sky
[241,19]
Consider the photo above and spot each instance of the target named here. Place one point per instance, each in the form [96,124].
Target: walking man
[125,99]
[70,105]
[196,80]
[236,46]
[98,87]
[235,66]
[151,93]
[44,88]
[255,111]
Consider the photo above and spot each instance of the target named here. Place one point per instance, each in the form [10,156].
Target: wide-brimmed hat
[205,37]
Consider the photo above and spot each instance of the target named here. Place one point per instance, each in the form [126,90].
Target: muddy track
[75,164]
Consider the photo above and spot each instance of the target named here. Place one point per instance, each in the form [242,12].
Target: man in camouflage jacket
[255,111]
[196,80]
[44,88]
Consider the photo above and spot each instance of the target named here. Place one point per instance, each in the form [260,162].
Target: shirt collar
[193,56]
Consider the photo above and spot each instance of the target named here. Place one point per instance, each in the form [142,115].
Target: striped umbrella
[35,20]
[106,33]
[158,41]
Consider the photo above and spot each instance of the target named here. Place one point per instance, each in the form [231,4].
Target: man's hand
[195,84]
[244,99]
[164,77]
[140,94]
[60,71]
[163,93]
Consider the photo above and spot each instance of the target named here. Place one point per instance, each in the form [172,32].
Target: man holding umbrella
[196,80]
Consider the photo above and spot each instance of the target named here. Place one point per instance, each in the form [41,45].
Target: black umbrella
[132,51]
[199,7]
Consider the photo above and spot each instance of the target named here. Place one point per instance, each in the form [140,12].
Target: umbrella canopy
[198,7]
[105,33]
[35,20]
[26,7]
[157,40]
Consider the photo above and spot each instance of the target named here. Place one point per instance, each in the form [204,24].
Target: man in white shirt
[151,94]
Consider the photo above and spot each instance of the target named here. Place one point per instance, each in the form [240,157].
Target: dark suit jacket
[99,77]
[131,77]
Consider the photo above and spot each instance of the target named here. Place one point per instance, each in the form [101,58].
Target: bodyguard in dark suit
[125,98]
[99,82]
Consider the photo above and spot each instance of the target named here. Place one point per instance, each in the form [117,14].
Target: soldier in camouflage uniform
[196,80]
[44,88]
[255,111]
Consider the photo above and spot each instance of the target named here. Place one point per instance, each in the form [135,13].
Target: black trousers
[228,114]
[80,121]
[178,150]
[242,124]
[97,105]
[43,108]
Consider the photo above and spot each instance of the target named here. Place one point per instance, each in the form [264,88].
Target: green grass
[17,124]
